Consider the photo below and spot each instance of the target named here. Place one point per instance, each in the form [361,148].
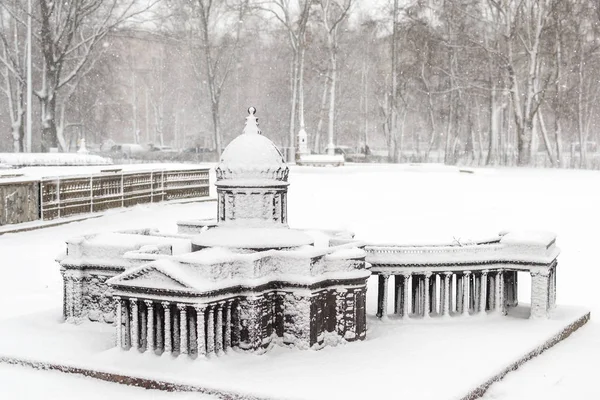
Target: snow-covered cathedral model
[247,281]
[244,281]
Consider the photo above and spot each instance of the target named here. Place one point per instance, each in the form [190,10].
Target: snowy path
[382,203]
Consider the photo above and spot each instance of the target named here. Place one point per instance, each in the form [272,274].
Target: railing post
[151,186]
[122,191]
[41,199]
[162,185]
[91,193]
[58,196]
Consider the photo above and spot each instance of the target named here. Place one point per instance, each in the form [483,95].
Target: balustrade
[66,196]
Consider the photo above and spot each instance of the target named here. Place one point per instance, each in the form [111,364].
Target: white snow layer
[51,159]
[383,204]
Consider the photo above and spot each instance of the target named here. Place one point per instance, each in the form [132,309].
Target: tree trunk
[317,144]
[217,128]
[393,112]
[60,130]
[557,100]
[331,113]
[293,103]
[447,155]
[524,134]
[48,111]
[429,111]
[547,144]
[492,156]
[302,52]
[580,106]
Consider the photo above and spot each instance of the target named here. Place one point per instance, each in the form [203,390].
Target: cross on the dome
[252,122]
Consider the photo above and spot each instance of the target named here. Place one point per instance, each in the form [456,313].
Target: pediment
[150,278]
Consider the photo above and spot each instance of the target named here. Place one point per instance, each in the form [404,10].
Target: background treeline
[482,82]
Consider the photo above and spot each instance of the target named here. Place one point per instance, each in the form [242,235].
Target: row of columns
[447,293]
[154,327]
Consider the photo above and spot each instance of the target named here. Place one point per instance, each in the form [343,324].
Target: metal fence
[67,196]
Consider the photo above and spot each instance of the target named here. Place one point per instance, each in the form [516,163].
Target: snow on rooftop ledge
[252,238]
[529,238]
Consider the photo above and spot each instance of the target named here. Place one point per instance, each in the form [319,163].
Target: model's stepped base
[560,336]
[405,354]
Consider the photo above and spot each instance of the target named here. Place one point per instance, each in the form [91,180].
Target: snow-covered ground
[380,203]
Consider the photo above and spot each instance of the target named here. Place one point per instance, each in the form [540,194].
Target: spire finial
[252,122]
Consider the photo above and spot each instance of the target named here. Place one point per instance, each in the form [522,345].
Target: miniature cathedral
[245,281]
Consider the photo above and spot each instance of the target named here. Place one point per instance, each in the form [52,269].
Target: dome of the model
[252,156]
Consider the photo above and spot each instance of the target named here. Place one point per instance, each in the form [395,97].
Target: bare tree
[69,33]
[12,67]
[293,16]
[214,33]
[333,14]
[524,24]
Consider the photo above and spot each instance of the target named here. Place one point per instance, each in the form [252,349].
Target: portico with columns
[162,327]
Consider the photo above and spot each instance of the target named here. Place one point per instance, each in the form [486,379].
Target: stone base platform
[421,359]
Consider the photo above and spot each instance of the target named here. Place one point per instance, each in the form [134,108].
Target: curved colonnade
[461,280]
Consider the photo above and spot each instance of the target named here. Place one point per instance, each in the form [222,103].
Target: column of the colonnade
[210,331]
[483,295]
[500,293]
[426,295]
[135,333]
[398,295]
[167,322]
[183,332]
[382,295]
[200,329]
[466,280]
[119,322]
[447,294]
[149,326]
[407,296]
[540,293]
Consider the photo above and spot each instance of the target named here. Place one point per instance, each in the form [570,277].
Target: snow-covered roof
[114,245]
[513,247]
[253,238]
[244,270]
[252,156]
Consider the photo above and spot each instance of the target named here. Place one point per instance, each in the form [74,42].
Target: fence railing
[67,196]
